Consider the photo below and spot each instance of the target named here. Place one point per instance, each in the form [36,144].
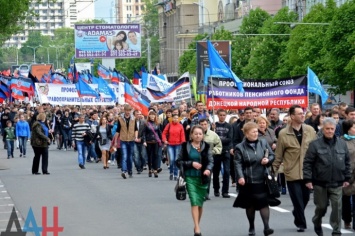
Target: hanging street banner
[166,92]
[66,94]
[107,41]
[269,93]
[224,50]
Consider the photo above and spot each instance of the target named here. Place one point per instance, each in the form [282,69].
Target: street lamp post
[148,49]
[34,52]
[47,52]
[208,14]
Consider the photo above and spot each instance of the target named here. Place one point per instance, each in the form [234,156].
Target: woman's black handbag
[271,182]
[180,187]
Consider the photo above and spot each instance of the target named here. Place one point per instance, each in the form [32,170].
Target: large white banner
[159,91]
[66,94]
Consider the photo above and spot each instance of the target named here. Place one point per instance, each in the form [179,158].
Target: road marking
[343,231]
[7,205]
[279,209]
[4,191]
[5,198]
[6,212]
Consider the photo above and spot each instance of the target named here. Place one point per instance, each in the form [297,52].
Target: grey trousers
[321,197]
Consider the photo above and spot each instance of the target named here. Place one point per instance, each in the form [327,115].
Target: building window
[60,24]
[137,8]
[44,4]
[137,0]
[51,4]
[44,11]
[15,38]
[44,18]
[44,31]
[52,11]
[59,4]
[23,38]
[37,11]
[52,24]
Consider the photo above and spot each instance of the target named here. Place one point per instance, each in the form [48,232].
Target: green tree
[14,16]
[339,50]
[306,42]
[187,60]
[241,46]
[266,51]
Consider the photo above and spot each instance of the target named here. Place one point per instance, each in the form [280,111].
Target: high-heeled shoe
[155,174]
[268,231]
[197,234]
[105,167]
[150,173]
[251,232]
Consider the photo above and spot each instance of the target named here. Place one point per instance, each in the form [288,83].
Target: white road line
[4,191]
[1,186]
[6,212]
[343,231]
[279,209]
[5,198]
[7,205]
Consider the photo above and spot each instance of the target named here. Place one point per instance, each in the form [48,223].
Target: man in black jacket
[225,133]
[326,169]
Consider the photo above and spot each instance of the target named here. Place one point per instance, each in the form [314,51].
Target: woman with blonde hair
[152,140]
[266,133]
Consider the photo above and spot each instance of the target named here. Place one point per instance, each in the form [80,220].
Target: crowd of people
[312,151]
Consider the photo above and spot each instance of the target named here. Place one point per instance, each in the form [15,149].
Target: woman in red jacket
[173,136]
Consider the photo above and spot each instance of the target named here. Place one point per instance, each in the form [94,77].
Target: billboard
[108,41]
[222,47]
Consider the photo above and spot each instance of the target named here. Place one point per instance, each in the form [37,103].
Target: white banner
[180,90]
[66,94]
[83,66]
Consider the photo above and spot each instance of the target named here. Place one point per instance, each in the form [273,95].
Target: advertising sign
[281,93]
[222,47]
[108,41]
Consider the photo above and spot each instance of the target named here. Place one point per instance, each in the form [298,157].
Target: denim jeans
[10,147]
[22,143]
[173,152]
[81,146]
[91,152]
[65,133]
[127,154]
[139,156]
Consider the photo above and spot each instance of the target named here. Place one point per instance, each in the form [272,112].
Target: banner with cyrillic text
[263,93]
[66,94]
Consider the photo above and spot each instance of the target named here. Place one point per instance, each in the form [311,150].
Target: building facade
[51,16]
[129,11]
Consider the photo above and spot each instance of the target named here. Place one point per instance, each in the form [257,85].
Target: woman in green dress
[196,159]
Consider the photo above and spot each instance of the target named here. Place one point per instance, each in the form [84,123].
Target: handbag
[103,141]
[155,134]
[180,187]
[271,182]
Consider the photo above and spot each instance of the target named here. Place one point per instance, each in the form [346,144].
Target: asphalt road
[98,202]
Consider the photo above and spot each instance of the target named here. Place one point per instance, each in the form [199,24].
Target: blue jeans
[173,152]
[127,154]
[80,145]
[91,152]
[10,147]
[22,144]
[65,133]
[139,156]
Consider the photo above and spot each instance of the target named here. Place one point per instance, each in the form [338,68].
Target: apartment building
[54,15]
[129,11]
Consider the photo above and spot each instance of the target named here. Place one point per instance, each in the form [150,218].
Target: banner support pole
[212,99]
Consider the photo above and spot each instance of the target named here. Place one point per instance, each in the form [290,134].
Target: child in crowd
[10,138]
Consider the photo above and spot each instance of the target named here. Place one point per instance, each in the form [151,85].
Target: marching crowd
[312,151]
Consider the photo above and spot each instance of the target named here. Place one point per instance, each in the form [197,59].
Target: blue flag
[103,87]
[84,89]
[219,68]
[314,85]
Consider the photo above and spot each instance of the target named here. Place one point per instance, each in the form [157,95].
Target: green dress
[196,190]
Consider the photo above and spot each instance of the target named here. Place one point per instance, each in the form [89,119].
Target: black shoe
[207,197]
[268,231]
[124,175]
[318,230]
[159,170]
[216,194]
[81,166]
[46,173]
[89,161]
[197,234]
[171,177]
[225,195]
[300,230]
[251,232]
[36,173]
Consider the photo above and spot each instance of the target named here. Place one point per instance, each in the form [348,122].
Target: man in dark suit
[140,155]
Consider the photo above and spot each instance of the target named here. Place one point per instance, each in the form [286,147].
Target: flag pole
[212,99]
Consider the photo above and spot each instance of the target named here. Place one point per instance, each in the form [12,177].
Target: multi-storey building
[53,15]
[129,11]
